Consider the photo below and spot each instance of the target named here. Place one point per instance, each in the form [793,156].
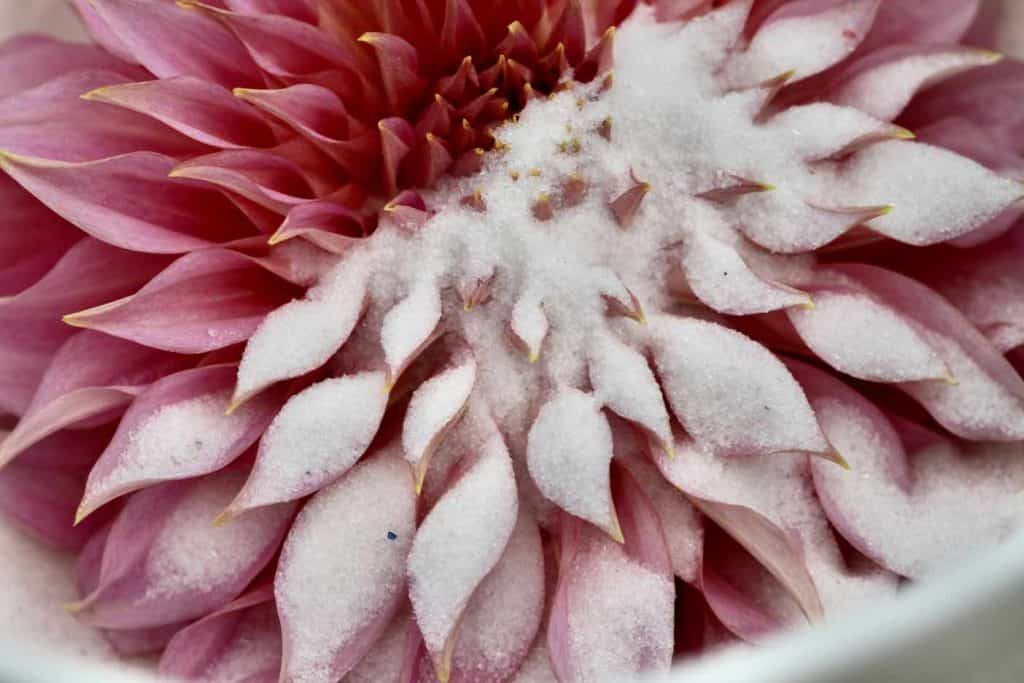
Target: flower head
[489,341]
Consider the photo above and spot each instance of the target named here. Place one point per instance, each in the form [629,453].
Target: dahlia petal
[100,31]
[785,221]
[883,84]
[30,60]
[409,327]
[318,435]
[502,618]
[949,501]
[922,22]
[529,326]
[680,520]
[537,666]
[849,129]
[569,451]
[31,331]
[435,407]
[91,377]
[204,301]
[302,335]
[41,496]
[176,429]
[397,139]
[915,179]
[453,552]
[862,337]
[723,280]
[176,40]
[303,10]
[142,641]
[779,45]
[99,197]
[623,382]
[165,562]
[264,178]
[679,10]
[460,32]
[611,615]
[342,572]
[399,68]
[730,393]
[199,109]
[986,402]
[239,642]
[34,123]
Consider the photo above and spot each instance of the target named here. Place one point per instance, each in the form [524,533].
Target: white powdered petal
[569,452]
[302,335]
[624,382]
[458,544]
[318,435]
[254,650]
[342,571]
[408,327]
[862,337]
[505,613]
[937,195]
[384,661]
[806,44]
[530,326]
[730,393]
[191,554]
[822,130]
[537,667]
[680,520]
[621,621]
[720,278]
[962,501]
[885,89]
[436,406]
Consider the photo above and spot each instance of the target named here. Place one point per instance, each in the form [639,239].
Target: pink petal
[302,335]
[204,301]
[144,641]
[318,435]
[730,393]
[504,614]
[342,572]
[176,429]
[435,407]
[199,109]
[384,661]
[568,452]
[172,40]
[269,180]
[986,402]
[453,552]
[30,326]
[98,198]
[329,225]
[91,378]
[165,561]
[100,31]
[950,502]
[30,60]
[922,21]
[239,642]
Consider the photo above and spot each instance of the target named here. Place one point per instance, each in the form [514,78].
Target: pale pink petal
[453,551]
[342,572]
[30,60]
[384,661]
[318,435]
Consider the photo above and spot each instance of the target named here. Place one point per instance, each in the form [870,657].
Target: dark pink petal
[453,552]
[40,491]
[204,301]
[102,198]
[731,394]
[268,180]
[91,379]
[985,399]
[240,642]
[177,429]
[915,515]
[327,224]
[26,255]
[34,123]
[165,562]
[921,21]
[30,60]
[502,618]
[568,453]
[199,109]
[342,573]
[177,40]
[143,641]
[30,326]
[315,438]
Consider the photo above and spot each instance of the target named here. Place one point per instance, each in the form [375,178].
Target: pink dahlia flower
[477,341]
